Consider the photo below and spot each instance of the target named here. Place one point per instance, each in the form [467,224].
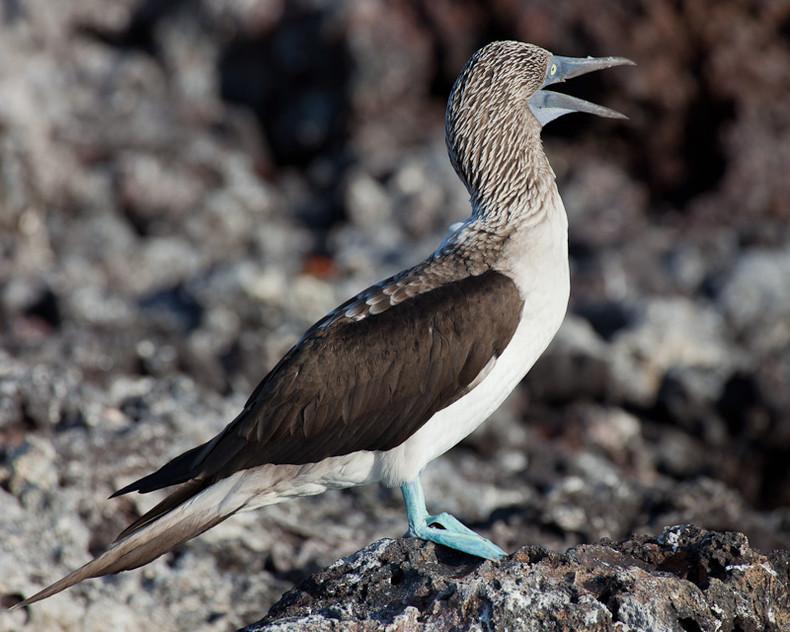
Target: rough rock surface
[186,186]
[685,579]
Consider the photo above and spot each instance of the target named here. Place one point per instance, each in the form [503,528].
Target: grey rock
[755,297]
[686,578]
[666,333]
[579,355]
[688,395]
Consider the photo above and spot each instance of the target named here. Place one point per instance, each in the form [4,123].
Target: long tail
[187,512]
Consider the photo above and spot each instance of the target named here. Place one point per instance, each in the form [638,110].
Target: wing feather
[362,380]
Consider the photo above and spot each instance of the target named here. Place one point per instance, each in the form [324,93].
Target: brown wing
[361,382]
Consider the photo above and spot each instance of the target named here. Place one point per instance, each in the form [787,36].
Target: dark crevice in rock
[689,625]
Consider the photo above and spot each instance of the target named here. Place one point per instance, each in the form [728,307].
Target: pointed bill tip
[562,68]
[610,113]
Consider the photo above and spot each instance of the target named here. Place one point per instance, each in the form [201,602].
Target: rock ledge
[685,580]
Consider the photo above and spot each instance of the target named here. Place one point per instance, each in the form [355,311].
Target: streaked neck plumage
[494,145]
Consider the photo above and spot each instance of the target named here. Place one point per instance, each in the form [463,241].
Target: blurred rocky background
[186,186]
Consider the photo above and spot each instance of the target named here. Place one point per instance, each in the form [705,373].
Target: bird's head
[498,106]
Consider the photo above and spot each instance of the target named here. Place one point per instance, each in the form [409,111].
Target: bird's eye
[553,70]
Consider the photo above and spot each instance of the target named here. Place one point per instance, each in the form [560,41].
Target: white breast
[538,262]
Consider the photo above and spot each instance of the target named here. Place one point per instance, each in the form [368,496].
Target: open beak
[547,105]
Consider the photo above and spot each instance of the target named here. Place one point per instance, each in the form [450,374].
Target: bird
[407,368]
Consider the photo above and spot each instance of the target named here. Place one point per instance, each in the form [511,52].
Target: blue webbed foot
[443,528]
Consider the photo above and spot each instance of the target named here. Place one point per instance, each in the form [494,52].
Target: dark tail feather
[186,513]
[179,470]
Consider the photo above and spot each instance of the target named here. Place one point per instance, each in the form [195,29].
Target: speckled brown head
[496,110]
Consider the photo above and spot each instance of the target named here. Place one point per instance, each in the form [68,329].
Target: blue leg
[443,528]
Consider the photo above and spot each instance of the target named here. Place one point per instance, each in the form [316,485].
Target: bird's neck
[510,220]
[516,195]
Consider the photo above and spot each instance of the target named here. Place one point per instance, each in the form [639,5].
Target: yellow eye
[553,70]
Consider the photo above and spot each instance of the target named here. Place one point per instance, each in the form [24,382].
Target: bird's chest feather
[538,262]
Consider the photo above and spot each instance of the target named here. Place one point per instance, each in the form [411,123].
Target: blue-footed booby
[407,368]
